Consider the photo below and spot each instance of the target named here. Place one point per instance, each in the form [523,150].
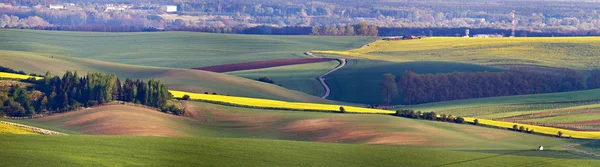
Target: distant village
[106,7]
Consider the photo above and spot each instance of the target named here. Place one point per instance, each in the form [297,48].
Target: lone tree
[342,110]
[388,87]
[186,97]
[476,122]
[560,133]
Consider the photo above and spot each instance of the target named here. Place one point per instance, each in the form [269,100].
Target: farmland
[231,119]
[171,49]
[563,52]
[82,150]
[180,79]
[212,120]
[357,81]
[295,77]
[261,64]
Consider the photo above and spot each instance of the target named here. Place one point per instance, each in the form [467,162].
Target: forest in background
[235,16]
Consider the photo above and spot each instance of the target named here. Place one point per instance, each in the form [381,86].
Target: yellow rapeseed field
[274,104]
[15,76]
[539,129]
[9,129]
[564,52]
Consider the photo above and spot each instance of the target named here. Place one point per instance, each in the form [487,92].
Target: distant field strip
[274,104]
[15,76]
[261,64]
[538,129]
[563,52]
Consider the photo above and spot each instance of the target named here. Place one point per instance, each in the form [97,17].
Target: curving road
[322,77]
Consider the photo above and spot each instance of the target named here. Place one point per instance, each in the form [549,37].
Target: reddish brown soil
[118,120]
[261,64]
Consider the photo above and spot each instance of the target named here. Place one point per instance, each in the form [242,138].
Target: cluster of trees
[424,88]
[518,128]
[361,29]
[406,113]
[71,92]
[27,22]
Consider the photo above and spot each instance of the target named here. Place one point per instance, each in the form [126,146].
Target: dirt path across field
[573,148]
[322,77]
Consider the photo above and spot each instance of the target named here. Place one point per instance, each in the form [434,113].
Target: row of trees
[71,92]
[424,88]
[361,29]
[406,113]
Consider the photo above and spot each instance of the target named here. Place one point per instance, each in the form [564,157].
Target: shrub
[342,110]
[476,122]
[459,120]
[522,129]
[186,97]
[515,127]
[266,80]
[560,133]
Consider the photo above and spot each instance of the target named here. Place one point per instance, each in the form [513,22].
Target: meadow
[171,49]
[83,150]
[561,52]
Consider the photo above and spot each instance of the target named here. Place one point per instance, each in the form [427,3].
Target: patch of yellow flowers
[16,76]
[275,104]
[9,129]
[539,129]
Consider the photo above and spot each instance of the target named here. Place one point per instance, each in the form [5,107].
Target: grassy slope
[522,99]
[189,151]
[567,52]
[177,79]
[172,49]
[357,81]
[210,120]
[296,77]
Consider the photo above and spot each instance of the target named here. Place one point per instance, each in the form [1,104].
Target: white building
[170,8]
[57,6]
[488,36]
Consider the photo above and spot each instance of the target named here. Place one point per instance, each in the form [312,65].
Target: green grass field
[357,81]
[550,108]
[563,52]
[82,150]
[171,49]
[301,77]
